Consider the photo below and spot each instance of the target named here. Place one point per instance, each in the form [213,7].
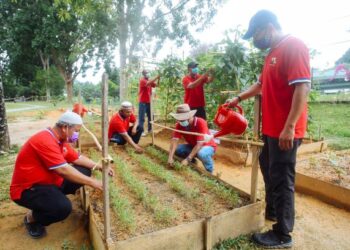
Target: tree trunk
[4,132]
[69,86]
[122,37]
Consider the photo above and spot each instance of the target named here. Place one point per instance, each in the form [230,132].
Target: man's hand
[233,102]
[170,162]
[286,138]
[184,162]
[138,149]
[110,170]
[96,184]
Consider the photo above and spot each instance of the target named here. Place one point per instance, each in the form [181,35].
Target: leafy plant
[242,242]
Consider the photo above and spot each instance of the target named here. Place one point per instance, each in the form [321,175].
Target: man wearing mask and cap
[145,92]
[43,175]
[193,84]
[202,147]
[121,131]
[284,84]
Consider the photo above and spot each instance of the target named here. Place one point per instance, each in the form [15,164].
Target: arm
[86,162]
[193,153]
[73,175]
[172,149]
[254,90]
[197,82]
[132,143]
[153,81]
[299,101]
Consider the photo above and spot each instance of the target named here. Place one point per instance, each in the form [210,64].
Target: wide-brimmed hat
[183,112]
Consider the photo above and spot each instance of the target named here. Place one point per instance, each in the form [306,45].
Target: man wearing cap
[201,146]
[43,175]
[193,84]
[120,130]
[145,92]
[284,85]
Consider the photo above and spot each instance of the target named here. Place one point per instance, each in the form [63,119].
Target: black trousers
[49,203]
[278,169]
[119,139]
[200,112]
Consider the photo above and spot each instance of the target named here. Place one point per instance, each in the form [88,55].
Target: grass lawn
[334,120]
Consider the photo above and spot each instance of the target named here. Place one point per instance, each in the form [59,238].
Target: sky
[322,25]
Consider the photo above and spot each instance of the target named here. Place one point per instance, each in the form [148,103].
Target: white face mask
[184,123]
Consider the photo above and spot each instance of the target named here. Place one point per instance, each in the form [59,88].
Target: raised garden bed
[154,207]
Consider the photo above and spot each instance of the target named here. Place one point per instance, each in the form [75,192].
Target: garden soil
[317,226]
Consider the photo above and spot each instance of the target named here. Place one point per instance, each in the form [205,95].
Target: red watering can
[230,121]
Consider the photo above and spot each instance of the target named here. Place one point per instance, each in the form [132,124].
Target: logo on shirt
[273,61]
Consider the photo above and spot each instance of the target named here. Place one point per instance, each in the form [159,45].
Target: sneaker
[270,240]
[144,134]
[34,229]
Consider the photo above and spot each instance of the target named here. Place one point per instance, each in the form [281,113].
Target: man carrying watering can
[284,85]
[193,84]
[202,146]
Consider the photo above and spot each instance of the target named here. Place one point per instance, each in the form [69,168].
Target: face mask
[195,70]
[184,123]
[263,43]
[74,137]
[147,76]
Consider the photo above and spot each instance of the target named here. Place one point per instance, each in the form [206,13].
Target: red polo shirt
[145,90]
[41,154]
[194,97]
[287,64]
[120,125]
[199,126]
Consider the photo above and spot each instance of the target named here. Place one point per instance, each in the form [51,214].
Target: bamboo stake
[152,118]
[105,163]
[256,151]
[256,143]
[208,234]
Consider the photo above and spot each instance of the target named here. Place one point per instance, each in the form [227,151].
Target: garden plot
[147,198]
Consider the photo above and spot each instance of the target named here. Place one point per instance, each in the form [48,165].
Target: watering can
[230,121]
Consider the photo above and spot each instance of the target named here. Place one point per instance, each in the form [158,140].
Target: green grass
[242,242]
[334,120]
[7,163]
[210,184]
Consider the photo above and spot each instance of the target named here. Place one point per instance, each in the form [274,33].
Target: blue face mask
[263,43]
[195,70]
[184,123]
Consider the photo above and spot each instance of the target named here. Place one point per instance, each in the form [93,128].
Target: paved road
[30,107]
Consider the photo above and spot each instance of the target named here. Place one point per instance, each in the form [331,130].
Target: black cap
[192,65]
[260,20]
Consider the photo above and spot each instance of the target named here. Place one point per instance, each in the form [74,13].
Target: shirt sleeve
[298,63]
[69,154]
[177,135]
[185,82]
[50,154]
[132,118]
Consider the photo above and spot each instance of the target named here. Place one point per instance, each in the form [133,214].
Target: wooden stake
[208,234]
[105,163]
[152,118]
[256,151]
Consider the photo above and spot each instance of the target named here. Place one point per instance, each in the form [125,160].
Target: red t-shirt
[199,126]
[41,154]
[194,97]
[145,91]
[288,63]
[119,124]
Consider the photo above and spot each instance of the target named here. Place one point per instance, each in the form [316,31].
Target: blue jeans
[119,139]
[205,154]
[145,108]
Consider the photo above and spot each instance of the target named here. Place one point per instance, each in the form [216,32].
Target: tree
[4,134]
[145,22]
[344,58]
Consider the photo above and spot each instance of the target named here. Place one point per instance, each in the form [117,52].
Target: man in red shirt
[284,85]
[43,176]
[193,84]
[145,93]
[201,146]
[121,132]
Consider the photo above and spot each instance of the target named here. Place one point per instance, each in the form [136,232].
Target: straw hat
[183,112]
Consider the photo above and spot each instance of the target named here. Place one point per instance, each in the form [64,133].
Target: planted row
[212,185]
[174,182]
[161,214]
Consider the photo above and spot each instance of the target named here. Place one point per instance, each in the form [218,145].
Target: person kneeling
[202,147]
[43,175]
[120,131]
